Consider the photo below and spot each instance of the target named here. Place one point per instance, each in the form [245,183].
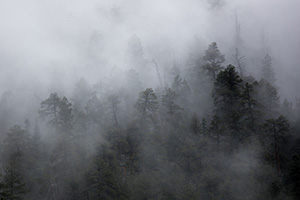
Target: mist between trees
[211,135]
[155,126]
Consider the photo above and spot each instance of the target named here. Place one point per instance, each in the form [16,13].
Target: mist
[87,39]
[101,60]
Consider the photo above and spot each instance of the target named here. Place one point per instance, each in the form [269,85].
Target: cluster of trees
[214,134]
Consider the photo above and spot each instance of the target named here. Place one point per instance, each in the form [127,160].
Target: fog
[104,55]
[87,38]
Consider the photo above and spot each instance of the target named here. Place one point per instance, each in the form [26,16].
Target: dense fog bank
[149,100]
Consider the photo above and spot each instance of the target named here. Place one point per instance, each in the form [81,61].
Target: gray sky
[39,38]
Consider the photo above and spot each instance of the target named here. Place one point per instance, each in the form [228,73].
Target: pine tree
[168,101]
[249,107]
[65,115]
[58,111]
[267,70]
[135,53]
[195,124]
[94,110]
[267,96]
[287,110]
[61,163]
[215,129]
[293,177]
[182,89]
[81,94]
[147,105]
[13,187]
[113,102]
[276,131]
[204,127]
[15,144]
[50,108]
[102,182]
[227,96]
[214,60]
[227,100]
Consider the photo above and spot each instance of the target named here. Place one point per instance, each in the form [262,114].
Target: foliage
[212,134]
[213,59]
[12,185]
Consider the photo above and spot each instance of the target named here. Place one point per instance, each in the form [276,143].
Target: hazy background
[46,42]
[99,53]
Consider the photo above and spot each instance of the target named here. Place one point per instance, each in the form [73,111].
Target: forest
[202,127]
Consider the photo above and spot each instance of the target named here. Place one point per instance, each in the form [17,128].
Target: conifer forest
[149,100]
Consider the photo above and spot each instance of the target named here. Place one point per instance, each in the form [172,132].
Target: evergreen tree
[16,144]
[36,144]
[102,182]
[287,110]
[182,89]
[204,127]
[135,55]
[180,86]
[81,94]
[58,111]
[168,101]
[267,96]
[249,107]
[94,110]
[293,177]
[65,115]
[147,105]
[113,102]
[214,60]
[267,70]
[50,109]
[276,131]
[227,99]
[195,124]
[215,129]
[12,185]
[62,163]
